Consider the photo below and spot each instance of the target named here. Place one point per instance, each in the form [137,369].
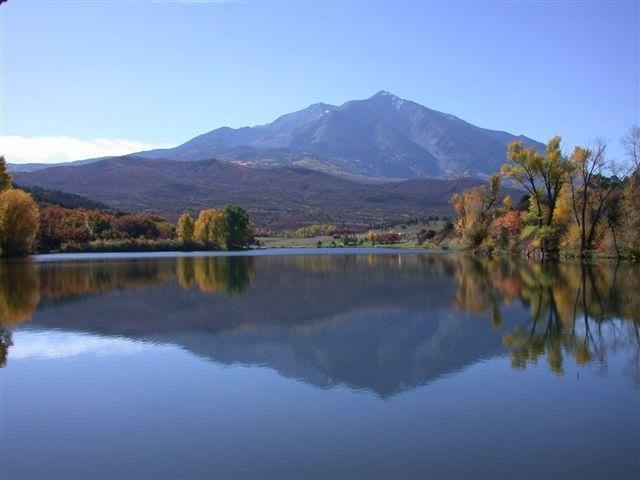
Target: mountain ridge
[383,137]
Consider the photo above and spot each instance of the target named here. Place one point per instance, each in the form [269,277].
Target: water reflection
[384,323]
[581,310]
[215,274]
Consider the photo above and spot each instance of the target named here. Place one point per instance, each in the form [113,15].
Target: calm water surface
[334,366]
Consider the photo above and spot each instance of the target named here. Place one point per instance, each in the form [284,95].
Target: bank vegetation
[577,205]
[27,226]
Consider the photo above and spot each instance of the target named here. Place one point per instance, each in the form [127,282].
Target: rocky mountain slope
[381,137]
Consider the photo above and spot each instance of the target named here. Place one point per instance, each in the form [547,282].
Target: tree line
[27,227]
[582,204]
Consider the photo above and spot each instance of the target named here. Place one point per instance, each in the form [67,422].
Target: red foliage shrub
[506,227]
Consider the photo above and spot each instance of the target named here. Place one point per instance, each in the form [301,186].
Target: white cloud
[57,344]
[19,149]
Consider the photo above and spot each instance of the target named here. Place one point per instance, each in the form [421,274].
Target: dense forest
[580,205]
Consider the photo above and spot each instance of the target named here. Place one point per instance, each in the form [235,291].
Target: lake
[365,363]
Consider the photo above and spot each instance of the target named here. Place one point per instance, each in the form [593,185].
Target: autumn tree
[554,170]
[60,226]
[468,206]
[543,177]
[631,144]
[523,168]
[228,229]
[210,228]
[18,223]
[65,226]
[472,207]
[138,226]
[186,228]
[629,215]
[592,191]
[506,228]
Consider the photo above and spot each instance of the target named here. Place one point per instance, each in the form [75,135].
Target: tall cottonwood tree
[210,228]
[186,228]
[592,191]
[472,207]
[523,169]
[19,217]
[542,176]
[239,230]
[631,144]
[553,169]
[629,208]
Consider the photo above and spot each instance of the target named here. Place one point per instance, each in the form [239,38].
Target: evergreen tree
[5,176]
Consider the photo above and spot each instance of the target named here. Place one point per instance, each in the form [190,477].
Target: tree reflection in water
[19,299]
[580,310]
[23,284]
[230,275]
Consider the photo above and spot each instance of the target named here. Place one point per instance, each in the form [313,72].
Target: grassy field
[409,238]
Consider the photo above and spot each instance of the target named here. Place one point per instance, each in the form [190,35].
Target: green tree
[186,228]
[19,216]
[239,230]
[554,171]
[5,176]
[523,169]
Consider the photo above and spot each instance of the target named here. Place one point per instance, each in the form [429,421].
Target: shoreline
[280,251]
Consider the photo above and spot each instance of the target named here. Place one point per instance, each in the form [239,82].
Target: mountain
[62,199]
[381,137]
[277,198]
[33,167]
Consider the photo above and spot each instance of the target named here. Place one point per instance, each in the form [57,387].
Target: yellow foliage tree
[472,207]
[19,216]
[186,228]
[468,206]
[543,176]
[210,228]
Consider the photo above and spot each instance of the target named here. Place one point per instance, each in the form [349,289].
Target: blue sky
[85,77]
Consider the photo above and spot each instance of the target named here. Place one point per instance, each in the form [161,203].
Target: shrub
[505,230]
[388,238]
[424,235]
[349,240]
[138,226]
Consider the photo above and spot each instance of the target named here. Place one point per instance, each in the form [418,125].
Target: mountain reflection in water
[381,323]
